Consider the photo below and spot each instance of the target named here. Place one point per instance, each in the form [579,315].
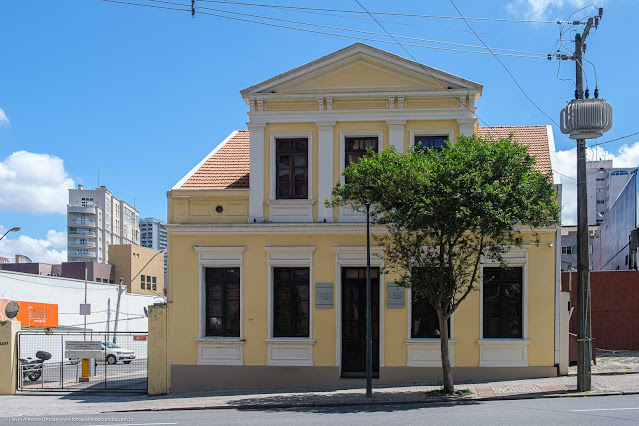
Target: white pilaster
[396,134]
[325,170]
[467,126]
[256,188]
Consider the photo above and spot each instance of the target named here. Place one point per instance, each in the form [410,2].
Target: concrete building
[569,246]
[4,259]
[95,272]
[153,235]
[604,186]
[141,269]
[615,241]
[95,220]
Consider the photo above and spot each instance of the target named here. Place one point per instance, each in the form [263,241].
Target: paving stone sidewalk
[614,362]
[31,404]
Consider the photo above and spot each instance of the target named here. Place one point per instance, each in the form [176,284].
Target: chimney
[80,186]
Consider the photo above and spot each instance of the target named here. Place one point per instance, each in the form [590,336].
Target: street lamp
[363,191]
[14,229]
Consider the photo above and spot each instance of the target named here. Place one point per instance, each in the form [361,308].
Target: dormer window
[292,168]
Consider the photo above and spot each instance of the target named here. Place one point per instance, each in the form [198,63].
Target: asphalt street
[548,411]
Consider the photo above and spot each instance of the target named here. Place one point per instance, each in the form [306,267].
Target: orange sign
[138,338]
[33,314]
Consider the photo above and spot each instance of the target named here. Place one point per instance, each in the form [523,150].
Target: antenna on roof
[98,178]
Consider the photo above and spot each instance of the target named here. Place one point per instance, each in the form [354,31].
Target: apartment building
[604,186]
[95,220]
[153,235]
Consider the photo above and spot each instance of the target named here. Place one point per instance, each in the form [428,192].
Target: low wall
[615,308]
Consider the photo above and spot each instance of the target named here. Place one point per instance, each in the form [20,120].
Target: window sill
[214,339]
[291,340]
[427,340]
[295,201]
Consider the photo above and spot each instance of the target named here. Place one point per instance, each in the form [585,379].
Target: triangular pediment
[360,68]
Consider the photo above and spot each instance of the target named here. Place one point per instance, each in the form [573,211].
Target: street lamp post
[14,229]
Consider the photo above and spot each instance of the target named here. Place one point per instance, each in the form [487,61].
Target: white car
[115,353]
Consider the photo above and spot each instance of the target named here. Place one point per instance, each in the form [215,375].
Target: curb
[433,400]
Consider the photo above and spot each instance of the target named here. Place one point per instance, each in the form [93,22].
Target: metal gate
[121,366]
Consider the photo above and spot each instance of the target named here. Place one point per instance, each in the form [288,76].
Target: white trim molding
[256,171]
[396,132]
[290,210]
[290,351]
[505,352]
[355,256]
[427,352]
[325,168]
[436,132]
[467,126]
[219,350]
[293,351]
[346,213]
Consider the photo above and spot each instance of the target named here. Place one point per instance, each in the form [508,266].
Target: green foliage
[446,210]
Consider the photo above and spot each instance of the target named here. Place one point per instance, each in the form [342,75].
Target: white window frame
[355,257]
[290,210]
[213,350]
[346,213]
[438,132]
[426,352]
[290,351]
[498,352]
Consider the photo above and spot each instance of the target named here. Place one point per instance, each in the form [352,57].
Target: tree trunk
[449,386]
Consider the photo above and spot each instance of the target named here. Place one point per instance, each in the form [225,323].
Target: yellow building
[268,283]
[141,269]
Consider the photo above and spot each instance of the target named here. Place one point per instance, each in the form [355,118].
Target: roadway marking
[609,409]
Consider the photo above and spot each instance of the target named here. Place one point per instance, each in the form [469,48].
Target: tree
[446,210]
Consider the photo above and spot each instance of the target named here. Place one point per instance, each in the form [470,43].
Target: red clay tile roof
[226,168]
[536,137]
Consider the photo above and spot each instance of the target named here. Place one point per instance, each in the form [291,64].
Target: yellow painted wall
[199,206]
[183,302]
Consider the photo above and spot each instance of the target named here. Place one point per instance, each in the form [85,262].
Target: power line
[318,32]
[502,64]
[411,15]
[541,55]
[420,64]
[613,140]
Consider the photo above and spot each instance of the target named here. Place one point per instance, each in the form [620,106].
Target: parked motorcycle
[32,368]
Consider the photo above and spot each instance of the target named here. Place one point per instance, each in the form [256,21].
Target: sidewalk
[32,404]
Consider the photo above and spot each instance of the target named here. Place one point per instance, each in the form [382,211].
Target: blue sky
[143,94]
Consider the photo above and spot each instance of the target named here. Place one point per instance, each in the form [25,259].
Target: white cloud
[34,183]
[565,162]
[4,120]
[50,250]
[540,9]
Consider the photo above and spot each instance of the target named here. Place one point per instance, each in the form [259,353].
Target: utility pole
[583,119]
[117,312]
[584,355]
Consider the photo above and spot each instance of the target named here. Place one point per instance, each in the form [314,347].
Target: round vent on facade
[586,118]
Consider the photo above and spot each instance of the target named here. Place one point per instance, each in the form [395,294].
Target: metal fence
[120,367]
